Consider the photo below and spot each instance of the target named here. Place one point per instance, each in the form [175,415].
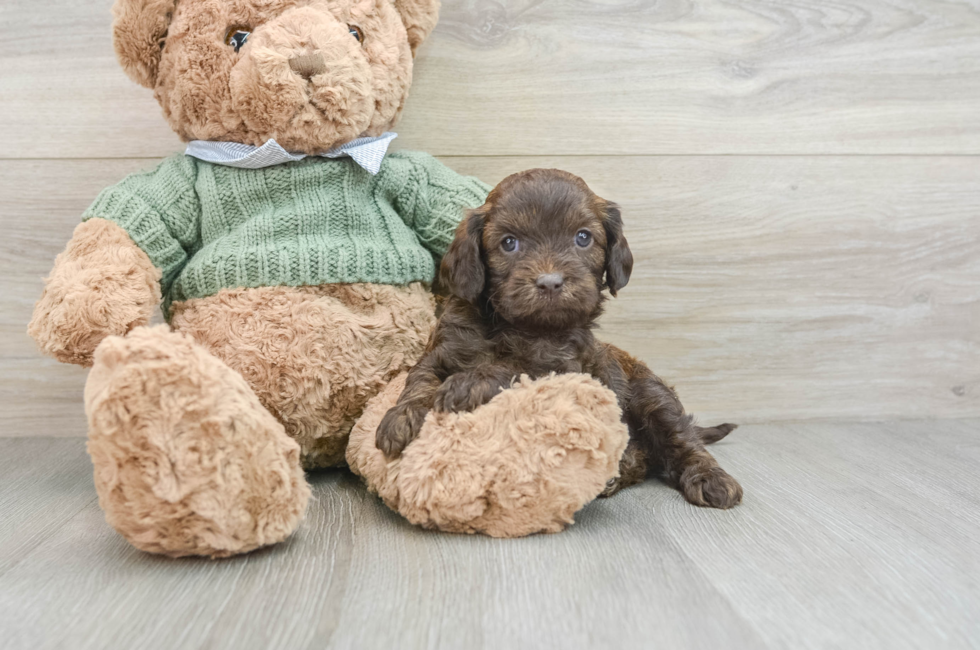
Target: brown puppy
[526,272]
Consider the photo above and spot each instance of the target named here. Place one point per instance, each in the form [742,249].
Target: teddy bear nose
[550,281]
[308,65]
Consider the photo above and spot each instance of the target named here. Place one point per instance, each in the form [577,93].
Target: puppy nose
[308,65]
[550,281]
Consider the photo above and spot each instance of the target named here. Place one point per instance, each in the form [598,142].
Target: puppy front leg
[465,391]
[402,422]
[674,441]
[632,469]
[608,367]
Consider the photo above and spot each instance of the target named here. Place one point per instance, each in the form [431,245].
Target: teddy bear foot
[523,463]
[187,461]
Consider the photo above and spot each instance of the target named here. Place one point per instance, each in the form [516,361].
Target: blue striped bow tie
[366,152]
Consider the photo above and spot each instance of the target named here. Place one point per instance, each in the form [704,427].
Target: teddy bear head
[312,74]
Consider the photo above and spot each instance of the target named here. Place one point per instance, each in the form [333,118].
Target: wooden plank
[797,288]
[44,482]
[40,397]
[764,288]
[546,77]
[850,536]
[877,513]
[355,576]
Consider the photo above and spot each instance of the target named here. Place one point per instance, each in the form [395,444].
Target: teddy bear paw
[187,461]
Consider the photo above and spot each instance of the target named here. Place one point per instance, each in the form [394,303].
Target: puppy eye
[509,244]
[237,36]
[583,238]
[356,32]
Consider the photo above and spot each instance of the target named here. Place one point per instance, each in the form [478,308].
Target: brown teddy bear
[292,257]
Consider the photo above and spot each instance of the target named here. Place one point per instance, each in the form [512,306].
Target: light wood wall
[800,182]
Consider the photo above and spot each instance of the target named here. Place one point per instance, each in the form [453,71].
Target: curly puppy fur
[101,284]
[527,272]
[524,464]
[314,355]
[352,64]
[188,462]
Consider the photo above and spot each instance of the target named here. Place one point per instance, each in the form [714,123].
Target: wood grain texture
[30,468]
[770,287]
[525,77]
[765,288]
[850,536]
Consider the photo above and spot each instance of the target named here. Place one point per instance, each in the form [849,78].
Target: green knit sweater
[209,227]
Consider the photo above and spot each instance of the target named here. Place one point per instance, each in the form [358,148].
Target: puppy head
[540,250]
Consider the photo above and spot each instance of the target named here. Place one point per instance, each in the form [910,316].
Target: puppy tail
[714,434]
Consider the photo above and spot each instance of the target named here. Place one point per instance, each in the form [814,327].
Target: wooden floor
[851,536]
[800,185]
[800,182]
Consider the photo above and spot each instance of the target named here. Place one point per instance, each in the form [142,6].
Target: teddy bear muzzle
[303,74]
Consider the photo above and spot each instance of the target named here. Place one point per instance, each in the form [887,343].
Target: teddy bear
[292,256]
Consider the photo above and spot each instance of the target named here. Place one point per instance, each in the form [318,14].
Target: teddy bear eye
[237,36]
[583,238]
[356,32]
[509,244]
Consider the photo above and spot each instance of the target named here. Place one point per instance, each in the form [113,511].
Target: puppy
[526,274]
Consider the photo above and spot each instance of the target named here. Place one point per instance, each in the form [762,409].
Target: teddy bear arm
[102,284]
[437,199]
[135,239]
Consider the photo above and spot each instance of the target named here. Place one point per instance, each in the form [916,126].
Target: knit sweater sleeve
[161,212]
[435,198]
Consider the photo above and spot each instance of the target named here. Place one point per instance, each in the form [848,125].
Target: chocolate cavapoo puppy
[526,273]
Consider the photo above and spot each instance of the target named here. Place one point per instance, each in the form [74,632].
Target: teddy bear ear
[419,17]
[138,32]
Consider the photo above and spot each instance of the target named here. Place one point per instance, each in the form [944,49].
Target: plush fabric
[314,355]
[524,463]
[209,227]
[100,285]
[295,292]
[208,91]
[187,461]
[138,32]
[420,18]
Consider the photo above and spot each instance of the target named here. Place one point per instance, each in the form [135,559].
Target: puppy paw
[613,486]
[466,391]
[712,488]
[632,470]
[400,426]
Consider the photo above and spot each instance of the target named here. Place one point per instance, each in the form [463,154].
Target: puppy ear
[419,17]
[138,32]
[462,271]
[619,259]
